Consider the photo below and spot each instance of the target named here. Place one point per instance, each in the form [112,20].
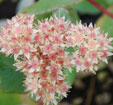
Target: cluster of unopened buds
[42,52]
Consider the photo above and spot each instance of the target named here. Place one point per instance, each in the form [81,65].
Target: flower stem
[101,8]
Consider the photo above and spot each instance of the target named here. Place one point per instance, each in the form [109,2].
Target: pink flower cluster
[43,52]
[93,45]
[17,37]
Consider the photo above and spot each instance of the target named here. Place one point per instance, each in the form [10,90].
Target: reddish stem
[101,8]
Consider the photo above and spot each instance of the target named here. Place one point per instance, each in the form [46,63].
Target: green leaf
[1,1]
[9,99]
[62,12]
[42,16]
[70,75]
[15,99]
[58,99]
[44,10]
[85,7]
[43,6]
[69,14]
[106,23]
[70,49]
[10,80]
[73,14]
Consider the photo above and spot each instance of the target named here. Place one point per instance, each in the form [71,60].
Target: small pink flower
[6,46]
[52,89]
[8,26]
[79,29]
[18,30]
[90,28]
[52,29]
[35,64]
[52,57]
[44,84]
[40,93]
[29,30]
[46,36]
[28,18]
[64,88]
[60,61]
[79,38]
[61,26]
[70,41]
[9,32]
[2,35]
[82,50]
[48,48]
[35,73]
[60,52]
[37,38]
[101,43]
[43,57]
[43,75]
[87,63]
[92,35]
[26,49]
[57,39]
[44,67]
[53,76]
[27,39]
[68,62]
[77,61]
[93,54]
[34,85]
[54,68]
[27,66]
[60,82]
[45,26]
[34,54]
[15,50]
[62,20]
[104,54]
[92,44]
[14,39]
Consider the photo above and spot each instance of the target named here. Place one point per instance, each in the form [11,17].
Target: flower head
[93,47]
[45,65]
[16,37]
[46,50]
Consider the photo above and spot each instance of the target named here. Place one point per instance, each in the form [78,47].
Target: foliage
[85,7]
[106,23]
[42,6]
[4,96]
[10,80]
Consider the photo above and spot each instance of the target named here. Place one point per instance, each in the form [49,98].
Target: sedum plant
[44,51]
[49,51]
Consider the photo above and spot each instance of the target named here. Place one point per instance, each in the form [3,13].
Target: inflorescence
[40,52]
